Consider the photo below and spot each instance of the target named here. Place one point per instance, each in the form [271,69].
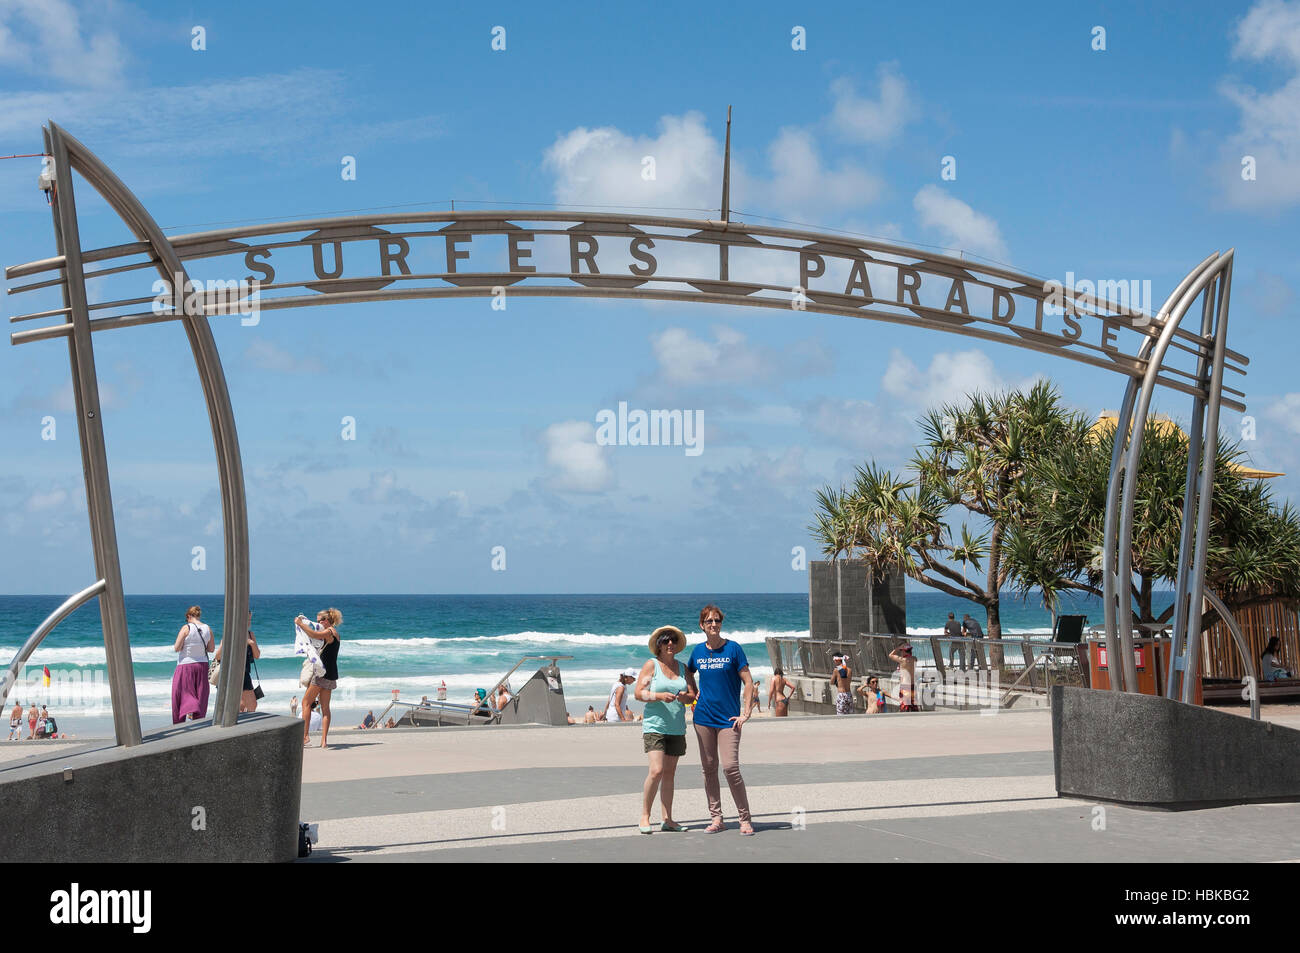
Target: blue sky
[474,426]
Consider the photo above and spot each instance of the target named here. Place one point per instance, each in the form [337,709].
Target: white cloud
[960,225]
[1269,128]
[872,120]
[1286,411]
[49,38]
[1272,294]
[860,424]
[45,501]
[951,376]
[801,184]
[575,461]
[241,116]
[686,359]
[269,356]
[604,166]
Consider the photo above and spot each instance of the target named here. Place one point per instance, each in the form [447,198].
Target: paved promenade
[922,787]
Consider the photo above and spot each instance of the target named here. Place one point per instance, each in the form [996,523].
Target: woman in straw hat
[661,684]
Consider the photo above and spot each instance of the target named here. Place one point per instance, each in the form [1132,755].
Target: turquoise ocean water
[415,642]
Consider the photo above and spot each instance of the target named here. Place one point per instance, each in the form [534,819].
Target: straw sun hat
[679,639]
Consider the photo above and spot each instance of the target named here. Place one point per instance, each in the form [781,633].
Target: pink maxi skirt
[189,691]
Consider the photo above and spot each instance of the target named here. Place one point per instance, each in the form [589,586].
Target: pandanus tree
[1254,551]
[973,464]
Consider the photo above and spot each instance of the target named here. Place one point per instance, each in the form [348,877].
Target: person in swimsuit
[322,685]
[662,686]
[906,677]
[842,680]
[32,715]
[872,696]
[16,723]
[616,707]
[778,700]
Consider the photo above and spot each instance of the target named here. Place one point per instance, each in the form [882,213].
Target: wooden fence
[1219,655]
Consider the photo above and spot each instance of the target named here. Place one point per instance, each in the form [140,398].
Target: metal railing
[997,668]
[486,709]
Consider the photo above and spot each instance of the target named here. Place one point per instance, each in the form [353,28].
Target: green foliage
[1034,475]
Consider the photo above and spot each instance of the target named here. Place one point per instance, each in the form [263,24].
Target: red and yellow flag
[47,676]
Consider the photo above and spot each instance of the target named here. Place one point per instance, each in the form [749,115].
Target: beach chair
[1069,631]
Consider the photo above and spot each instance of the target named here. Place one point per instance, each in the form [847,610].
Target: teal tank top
[664,718]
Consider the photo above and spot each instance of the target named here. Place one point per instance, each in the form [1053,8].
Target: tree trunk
[993,626]
[993,619]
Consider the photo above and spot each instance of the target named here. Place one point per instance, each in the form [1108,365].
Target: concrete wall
[538,702]
[1145,749]
[888,600]
[139,804]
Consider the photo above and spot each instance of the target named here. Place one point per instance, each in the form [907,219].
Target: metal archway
[1098,324]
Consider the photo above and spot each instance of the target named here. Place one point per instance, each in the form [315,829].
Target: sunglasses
[713,622]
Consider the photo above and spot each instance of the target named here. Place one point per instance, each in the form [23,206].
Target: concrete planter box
[192,793]
[1149,750]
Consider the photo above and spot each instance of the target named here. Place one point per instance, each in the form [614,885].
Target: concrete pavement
[917,787]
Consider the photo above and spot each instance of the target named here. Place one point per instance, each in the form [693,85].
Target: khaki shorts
[672,745]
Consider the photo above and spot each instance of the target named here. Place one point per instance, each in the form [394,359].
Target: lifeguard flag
[47,676]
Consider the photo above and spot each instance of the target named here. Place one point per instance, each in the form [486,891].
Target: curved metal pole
[68,606]
[1110,576]
[1128,500]
[225,440]
[1185,537]
[94,452]
[1206,499]
[1112,514]
[1242,646]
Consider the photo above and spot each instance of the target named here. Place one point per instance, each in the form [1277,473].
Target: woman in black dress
[322,685]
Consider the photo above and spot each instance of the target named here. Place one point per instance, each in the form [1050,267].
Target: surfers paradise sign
[502,255]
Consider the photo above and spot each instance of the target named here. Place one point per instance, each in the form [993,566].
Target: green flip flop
[672,828]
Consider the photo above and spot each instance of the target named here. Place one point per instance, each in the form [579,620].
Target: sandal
[716,827]
[746,829]
[672,828]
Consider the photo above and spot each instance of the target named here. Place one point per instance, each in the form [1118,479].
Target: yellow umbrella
[1104,428]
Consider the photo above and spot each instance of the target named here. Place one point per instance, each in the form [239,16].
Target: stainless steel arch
[168,257]
[1111,578]
[220,413]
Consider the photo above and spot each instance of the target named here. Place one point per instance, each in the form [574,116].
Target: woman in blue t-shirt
[722,669]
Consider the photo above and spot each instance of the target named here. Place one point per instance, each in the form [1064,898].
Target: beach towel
[310,648]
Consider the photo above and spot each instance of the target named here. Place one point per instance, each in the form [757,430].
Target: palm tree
[974,456]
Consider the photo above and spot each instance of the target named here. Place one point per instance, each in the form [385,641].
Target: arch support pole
[1195,446]
[94,456]
[234,508]
[1117,552]
[1205,501]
